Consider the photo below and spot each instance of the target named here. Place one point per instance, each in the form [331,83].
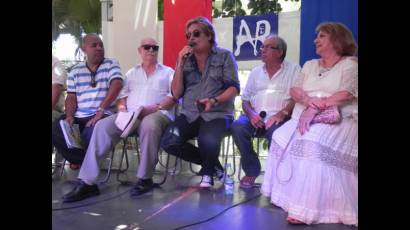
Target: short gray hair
[280,43]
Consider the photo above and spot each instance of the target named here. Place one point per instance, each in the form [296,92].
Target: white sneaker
[206,182]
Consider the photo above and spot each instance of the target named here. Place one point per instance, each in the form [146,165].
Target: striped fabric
[89,98]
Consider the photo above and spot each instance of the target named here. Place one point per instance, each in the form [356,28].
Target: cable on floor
[218,214]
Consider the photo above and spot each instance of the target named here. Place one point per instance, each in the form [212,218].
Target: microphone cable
[220,213]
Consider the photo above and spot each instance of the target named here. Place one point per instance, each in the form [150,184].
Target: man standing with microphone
[266,103]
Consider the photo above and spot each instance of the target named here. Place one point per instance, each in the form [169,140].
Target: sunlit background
[65,46]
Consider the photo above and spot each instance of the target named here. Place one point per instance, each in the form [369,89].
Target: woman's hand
[305,119]
[275,119]
[317,103]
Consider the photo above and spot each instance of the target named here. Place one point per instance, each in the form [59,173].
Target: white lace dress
[316,181]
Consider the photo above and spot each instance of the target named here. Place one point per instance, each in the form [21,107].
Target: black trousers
[209,134]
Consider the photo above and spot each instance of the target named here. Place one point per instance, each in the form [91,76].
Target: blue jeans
[242,133]
[209,134]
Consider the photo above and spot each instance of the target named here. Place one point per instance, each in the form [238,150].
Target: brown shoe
[247,181]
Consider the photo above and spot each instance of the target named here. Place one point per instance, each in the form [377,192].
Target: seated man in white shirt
[266,103]
[147,85]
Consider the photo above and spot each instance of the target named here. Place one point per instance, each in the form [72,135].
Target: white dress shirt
[142,90]
[270,95]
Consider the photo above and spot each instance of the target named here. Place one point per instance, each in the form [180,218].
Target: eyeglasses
[148,47]
[274,48]
[196,34]
[93,81]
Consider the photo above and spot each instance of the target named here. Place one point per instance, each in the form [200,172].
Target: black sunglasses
[196,34]
[148,47]
[93,81]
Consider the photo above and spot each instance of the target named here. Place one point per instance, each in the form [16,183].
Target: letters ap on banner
[249,32]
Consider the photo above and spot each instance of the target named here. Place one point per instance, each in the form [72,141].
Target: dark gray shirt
[221,72]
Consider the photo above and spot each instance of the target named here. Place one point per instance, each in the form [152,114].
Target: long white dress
[317,179]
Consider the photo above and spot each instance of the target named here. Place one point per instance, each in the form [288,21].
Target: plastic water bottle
[228,181]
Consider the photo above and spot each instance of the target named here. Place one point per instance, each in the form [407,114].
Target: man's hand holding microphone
[258,123]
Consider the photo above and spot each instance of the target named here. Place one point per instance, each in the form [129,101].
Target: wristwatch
[285,112]
[216,100]
[100,109]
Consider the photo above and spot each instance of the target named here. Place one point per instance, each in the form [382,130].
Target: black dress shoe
[141,187]
[81,192]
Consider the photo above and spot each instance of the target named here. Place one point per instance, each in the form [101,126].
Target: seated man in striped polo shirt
[92,88]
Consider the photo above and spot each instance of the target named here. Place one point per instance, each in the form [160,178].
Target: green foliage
[230,8]
[263,144]
[75,17]
[160,10]
[259,7]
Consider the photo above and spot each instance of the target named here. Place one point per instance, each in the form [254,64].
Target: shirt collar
[157,66]
[281,67]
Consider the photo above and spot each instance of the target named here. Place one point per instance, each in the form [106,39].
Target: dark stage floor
[178,202]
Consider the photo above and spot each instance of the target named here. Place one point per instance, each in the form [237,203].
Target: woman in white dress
[311,169]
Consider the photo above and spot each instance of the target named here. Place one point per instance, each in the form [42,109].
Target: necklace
[323,70]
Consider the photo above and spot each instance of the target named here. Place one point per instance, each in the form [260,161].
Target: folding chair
[110,161]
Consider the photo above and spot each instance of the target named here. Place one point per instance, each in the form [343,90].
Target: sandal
[292,220]
[247,181]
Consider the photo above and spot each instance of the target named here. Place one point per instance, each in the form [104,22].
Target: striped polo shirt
[89,98]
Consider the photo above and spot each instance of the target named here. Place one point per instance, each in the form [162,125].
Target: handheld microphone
[257,131]
[187,55]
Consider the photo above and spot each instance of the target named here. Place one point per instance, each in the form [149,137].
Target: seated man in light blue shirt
[266,103]
[147,85]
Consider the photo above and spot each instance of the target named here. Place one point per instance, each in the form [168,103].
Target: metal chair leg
[166,170]
[62,167]
[119,169]
[233,155]
[233,158]
[124,154]
[110,160]
[174,172]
